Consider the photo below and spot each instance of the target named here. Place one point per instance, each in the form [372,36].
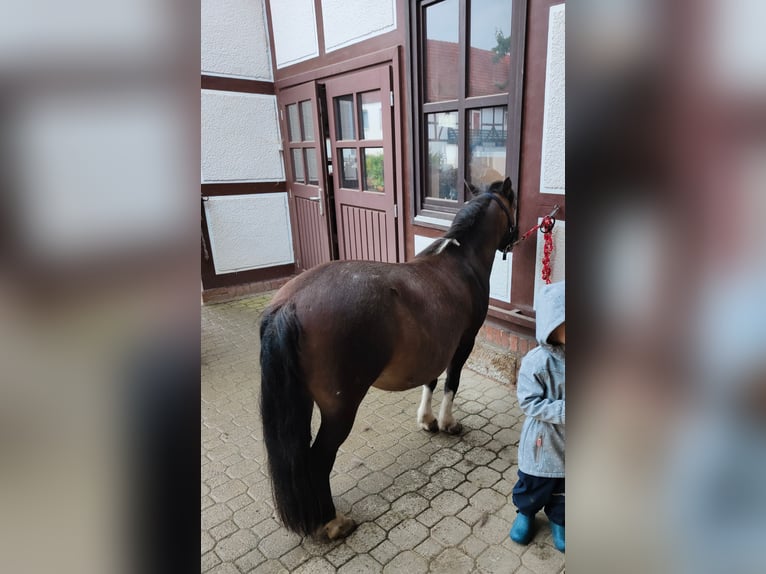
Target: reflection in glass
[372,115]
[487,138]
[441,51]
[349,173]
[344,117]
[441,164]
[298,173]
[373,169]
[311,166]
[489,60]
[307,121]
[293,128]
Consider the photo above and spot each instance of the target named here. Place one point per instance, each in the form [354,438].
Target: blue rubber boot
[521,531]
[558,536]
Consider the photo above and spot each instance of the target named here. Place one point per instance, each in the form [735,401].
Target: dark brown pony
[340,328]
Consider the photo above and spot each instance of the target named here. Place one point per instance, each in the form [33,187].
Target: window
[466,64]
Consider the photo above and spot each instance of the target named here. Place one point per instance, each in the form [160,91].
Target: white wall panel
[350,22]
[249,231]
[240,138]
[235,40]
[421,242]
[552,173]
[294,26]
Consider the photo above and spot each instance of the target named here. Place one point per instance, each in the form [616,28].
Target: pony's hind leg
[447,422]
[426,418]
[333,431]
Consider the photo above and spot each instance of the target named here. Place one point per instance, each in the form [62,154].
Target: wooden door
[306,174]
[359,106]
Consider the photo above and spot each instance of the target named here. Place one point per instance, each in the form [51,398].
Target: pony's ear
[474,191]
[508,188]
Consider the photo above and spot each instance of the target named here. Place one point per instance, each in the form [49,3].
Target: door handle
[318,198]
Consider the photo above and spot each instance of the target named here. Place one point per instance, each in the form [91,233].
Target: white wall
[552,173]
[234,39]
[347,22]
[249,231]
[240,138]
[295,31]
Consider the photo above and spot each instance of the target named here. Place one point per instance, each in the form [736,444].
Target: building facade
[345,130]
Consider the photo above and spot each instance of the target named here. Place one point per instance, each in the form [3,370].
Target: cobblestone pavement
[423,502]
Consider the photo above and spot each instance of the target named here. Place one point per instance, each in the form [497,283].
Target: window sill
[441,223]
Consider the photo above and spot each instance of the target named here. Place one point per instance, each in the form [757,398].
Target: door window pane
[349,173]
[293,128]
[442,51]
[298,172]
[441,164]
[373,169]
[372,115]
[487,139]
[489,60]
[307,121]
[311,166]
[344,117]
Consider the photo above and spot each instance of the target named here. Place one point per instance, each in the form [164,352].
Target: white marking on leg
[425,414]
[446,420]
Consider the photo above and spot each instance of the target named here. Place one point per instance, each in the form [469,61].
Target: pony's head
[499,191]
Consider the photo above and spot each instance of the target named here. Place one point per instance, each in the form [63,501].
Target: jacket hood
[550,311]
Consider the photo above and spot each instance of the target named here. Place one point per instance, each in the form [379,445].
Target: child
[541,447]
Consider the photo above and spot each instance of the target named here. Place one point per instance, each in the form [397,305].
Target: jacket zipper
[538,445]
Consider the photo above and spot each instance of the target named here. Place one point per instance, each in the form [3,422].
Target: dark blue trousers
[534,493]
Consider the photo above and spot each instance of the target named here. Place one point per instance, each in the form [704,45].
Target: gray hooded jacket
[540,390]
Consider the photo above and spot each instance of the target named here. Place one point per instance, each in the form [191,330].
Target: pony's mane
[464,222]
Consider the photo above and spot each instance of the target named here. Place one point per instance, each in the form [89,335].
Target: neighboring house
[345,130]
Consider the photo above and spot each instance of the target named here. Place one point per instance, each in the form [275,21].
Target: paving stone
[341,554]
[278,543]
[390,476]
[450,531]
[385,552]
[250,560]
[493,530]
[473,546]
[409,562]
[223,530]
[497,560]
[366,537]
[214,515]
[410,505]
[542,559]
[270,567]
[453,561]
[483,476]
[370,507]
[209,560]
[236,545]
[429,548]
[361,564]
[489,500]
[448,503]
[408,534]
[295,558]
[207,541]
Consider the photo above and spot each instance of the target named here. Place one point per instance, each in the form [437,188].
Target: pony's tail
[286,414]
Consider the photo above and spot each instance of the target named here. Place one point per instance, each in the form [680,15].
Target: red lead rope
[546,228]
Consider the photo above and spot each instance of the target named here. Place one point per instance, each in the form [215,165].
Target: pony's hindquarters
[286,414]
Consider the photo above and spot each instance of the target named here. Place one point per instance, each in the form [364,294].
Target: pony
[331,333]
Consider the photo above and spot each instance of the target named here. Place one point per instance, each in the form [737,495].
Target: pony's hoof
[339,527]
[454,428]
[432,426]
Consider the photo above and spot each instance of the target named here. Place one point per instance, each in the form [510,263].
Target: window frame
[429,211]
